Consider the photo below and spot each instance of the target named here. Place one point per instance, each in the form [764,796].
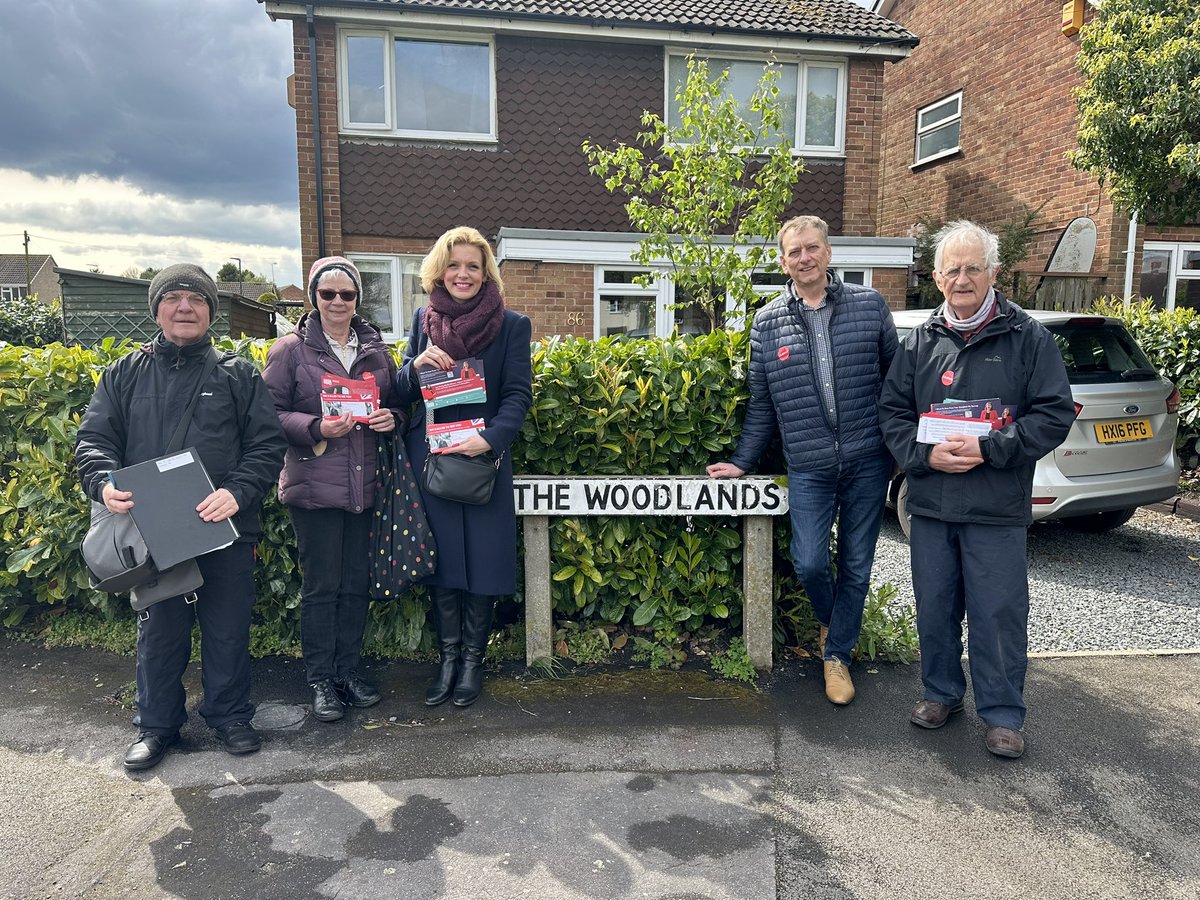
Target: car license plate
[1120,432]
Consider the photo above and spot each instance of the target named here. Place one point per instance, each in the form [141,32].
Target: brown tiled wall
[1016,70]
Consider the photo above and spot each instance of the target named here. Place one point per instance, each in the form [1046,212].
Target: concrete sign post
[754,499]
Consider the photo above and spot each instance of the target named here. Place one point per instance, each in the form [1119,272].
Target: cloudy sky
[144,132]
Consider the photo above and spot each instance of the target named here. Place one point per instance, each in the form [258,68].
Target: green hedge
[1172,342]
[607,407]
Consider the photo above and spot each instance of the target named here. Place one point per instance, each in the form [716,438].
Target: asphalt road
[610,785]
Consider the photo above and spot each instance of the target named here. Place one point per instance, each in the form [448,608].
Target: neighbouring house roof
[251,290]
[12,266]
[828,19]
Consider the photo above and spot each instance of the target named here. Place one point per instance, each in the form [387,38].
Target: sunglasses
[328,295]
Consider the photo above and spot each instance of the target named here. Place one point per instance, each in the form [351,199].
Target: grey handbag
[184,578]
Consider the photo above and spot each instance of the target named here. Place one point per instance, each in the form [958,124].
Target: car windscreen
[1098,350]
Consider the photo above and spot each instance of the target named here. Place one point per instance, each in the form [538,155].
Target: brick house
[978,120]
[436,113]
[38,267]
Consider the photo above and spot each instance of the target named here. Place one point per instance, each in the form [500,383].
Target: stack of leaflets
[463,383]
[359,397]
[967,417]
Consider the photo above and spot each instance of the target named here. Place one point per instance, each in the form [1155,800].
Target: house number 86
[574,318]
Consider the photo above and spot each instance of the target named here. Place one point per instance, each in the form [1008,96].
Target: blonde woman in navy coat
[477,545]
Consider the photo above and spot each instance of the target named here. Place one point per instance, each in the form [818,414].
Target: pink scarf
[464,329]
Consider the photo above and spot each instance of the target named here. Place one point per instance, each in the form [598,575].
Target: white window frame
[13,292]
[389,127]
[927,130]
[400,321]
[802,64]
[658,293]
[1176,272]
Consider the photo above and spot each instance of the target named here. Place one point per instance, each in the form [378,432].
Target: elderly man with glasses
[969,493]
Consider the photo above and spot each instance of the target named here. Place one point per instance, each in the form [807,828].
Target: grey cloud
[187,97]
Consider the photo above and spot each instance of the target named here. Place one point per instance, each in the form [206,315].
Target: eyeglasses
[969,271]
[174,299]
[327,295]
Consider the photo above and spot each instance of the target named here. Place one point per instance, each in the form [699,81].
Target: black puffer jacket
[1014,358]
[783,388]
[342,474]
[137,406]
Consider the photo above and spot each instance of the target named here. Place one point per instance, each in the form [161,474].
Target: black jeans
[164,645]
[333,611]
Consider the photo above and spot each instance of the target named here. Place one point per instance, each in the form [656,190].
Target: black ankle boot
[447,618]
[477,622]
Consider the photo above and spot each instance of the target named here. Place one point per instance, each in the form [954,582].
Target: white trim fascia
[549,27]
[616,249]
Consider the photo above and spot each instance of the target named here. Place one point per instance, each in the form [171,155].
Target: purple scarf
[466,328]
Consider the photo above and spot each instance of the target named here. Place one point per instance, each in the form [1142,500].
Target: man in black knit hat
[137,405]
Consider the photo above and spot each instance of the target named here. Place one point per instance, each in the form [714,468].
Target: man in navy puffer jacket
[818,355]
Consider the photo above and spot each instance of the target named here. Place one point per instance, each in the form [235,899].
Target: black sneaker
[326,705]
[238,737]
[148,750]
[353,691]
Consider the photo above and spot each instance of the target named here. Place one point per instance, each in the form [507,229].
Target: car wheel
[1096,523]
[902,509]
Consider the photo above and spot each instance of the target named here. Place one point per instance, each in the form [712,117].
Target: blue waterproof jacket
[783,389]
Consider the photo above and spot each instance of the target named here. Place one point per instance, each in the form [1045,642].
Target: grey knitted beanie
[183,277]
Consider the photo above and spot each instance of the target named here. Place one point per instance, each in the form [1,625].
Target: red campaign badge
[947,378]
[784,353]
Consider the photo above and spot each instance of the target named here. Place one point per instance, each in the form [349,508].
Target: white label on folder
[174,462]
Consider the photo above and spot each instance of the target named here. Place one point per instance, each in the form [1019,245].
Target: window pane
[365,77]
[1191,258]
[938,113]
[820,109]
[692,319]
[612,276]
[1187,294]
[769,278]
[376,306]
[854,276]
[744,76]
[443,87]
[632,317]
[937,141]
[414,296]
[1156,275]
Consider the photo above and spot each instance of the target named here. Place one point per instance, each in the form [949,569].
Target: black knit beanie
[183,277]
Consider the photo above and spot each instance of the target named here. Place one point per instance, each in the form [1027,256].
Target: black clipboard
[166,492]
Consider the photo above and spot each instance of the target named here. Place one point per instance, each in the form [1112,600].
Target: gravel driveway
[1135,588]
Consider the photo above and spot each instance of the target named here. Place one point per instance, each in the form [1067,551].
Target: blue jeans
[853,494]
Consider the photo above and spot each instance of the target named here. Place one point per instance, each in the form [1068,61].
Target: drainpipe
[1129,250]
[316,130]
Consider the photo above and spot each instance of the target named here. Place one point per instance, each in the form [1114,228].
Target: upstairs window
[812,96]
[938,126]
[416,86]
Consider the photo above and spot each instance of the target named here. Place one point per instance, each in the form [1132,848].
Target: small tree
[721,171]
[149,273]
[1139,106]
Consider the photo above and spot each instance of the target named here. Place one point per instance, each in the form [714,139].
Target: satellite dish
[1076,247]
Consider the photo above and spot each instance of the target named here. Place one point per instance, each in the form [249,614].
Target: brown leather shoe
[931,714]
[1006,742]
[821,638]
[838,686]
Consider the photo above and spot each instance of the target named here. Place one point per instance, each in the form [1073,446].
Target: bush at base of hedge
[607,407]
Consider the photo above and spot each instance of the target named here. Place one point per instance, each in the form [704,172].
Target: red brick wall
[864,124]
[1016,70]
[893,284]
[306,155]
[557,297]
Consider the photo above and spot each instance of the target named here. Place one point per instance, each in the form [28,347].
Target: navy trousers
[334,550]
[978,571]
[164,645]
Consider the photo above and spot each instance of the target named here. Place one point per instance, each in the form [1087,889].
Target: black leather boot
[447,618]
[477,623]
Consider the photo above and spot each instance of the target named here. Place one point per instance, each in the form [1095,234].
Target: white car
[1120,453]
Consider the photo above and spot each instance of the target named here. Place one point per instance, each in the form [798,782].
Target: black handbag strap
[176,441]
